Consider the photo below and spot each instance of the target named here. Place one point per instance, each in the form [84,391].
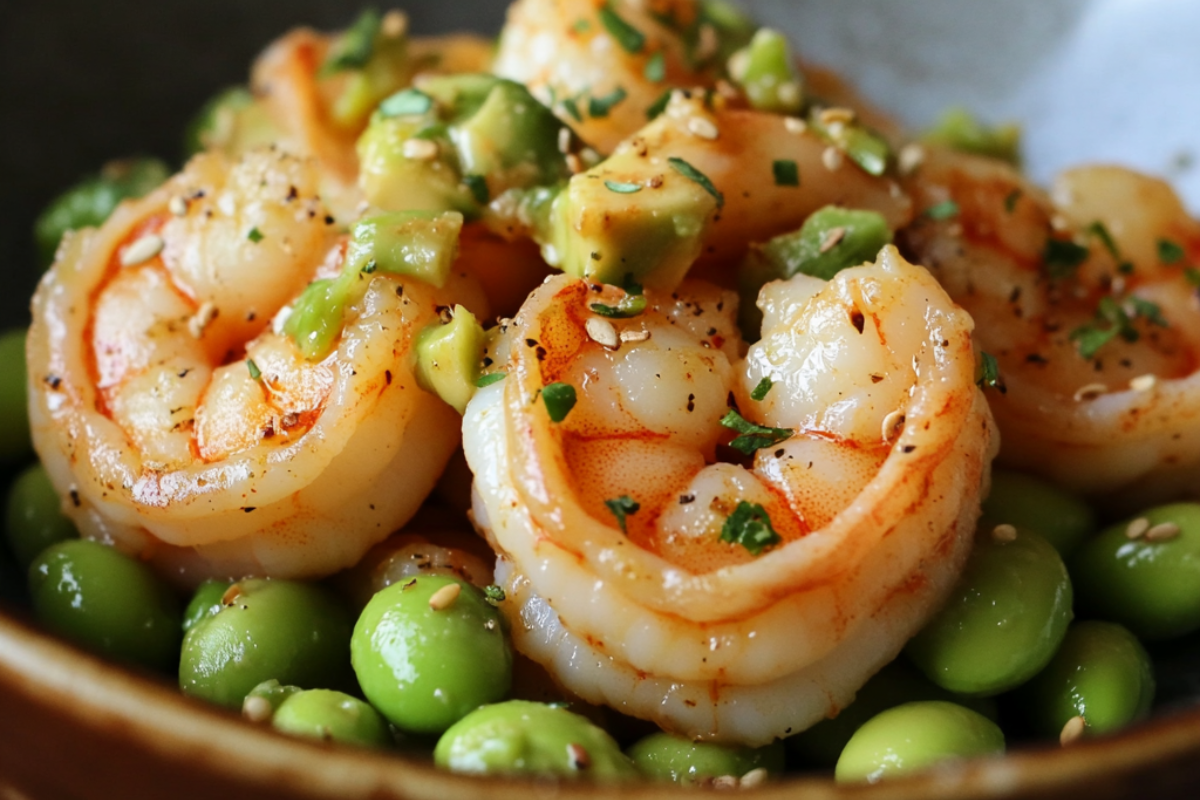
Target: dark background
[86,81]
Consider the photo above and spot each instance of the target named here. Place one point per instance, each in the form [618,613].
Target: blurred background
[82,82]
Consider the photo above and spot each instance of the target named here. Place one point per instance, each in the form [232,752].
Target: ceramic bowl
[82,82]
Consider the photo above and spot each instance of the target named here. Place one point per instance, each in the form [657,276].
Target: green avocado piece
[448,358]
[232,122]
[766,71]
[959,130]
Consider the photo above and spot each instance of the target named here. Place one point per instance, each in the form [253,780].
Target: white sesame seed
[725,782]
[1059,222]
[1118,284]
[564,140]
[727,90]
[1137,528]
[708,43]
[602,332]
[703,128]
[755,777]
[257,709]
[1163,532]
[580,759]
[420,150]
[444,597]
[795,125]
[142,250]
[891,423]
[912,156]
[1072,731]
[589,154]
[395,24]
[574,163]
[177,206]
[1090,392]
[1143,383]
[836,116]
[837,130]
[231,594]
[1004,533]
[832,159]
[203,317]
[739,65]
[832,238]
[634,336]
[789,93]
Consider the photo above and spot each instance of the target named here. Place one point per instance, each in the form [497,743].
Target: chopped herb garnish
[691,173]
[479,188]
[760,391]
[255,235]
[631,286]
[1151,312]
[1089,339]
[599,107]
[493,595]
[659,106]
[356,46]
[629,37]
[1193,276]
[1170,252]
[559,399]
[1100,231]
[989,374]
[1114,319]
[621,507]
[623,188]
[572,107]
[947,209]
[787,173]
[407,103]
[753,437]
[629,306]
[484,381]
[370,267]
[1062,257]
[255,372]
[1010,202]
[656,68]
[750,527]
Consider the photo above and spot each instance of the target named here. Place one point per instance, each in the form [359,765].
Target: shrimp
[185,427]
[1083,296]
[627,571]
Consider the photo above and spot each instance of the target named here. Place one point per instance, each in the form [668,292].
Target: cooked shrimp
[185,427]
[627,574]
[1106,406]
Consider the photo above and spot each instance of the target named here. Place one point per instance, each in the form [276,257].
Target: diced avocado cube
[449,356]
[232,122]
[460,97]
[316,319]
[418,244]
[766,71]
[959,130]
[512,139]
[392,178]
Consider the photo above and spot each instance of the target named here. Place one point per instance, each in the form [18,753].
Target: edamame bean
[204,603]
[34,519]
[331,717]
[665,757]
[896,684]
[1032,504]
[520,737]
[1003,621]
[106,602]
[430,650]
[294,632]
[15,445]
[1145,573]
[1101,673]
[915,736]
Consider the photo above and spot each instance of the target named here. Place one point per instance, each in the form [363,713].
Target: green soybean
[894,685]
[1101,673]
[520,737]
[665,757]
[1150,583]
[204,603]
[106,602]
[331,716]
[14,414]
[1003,621]
[34,519]
[293,632]
[429,651]
[1032,504]
[915,736]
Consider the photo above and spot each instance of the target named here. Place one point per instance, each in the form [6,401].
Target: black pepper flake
[908,448]
[691,405]
[53,381]
[531,342]
[684,499]
[248,509]
[857,320]
[1036,358]
[387,376]
[75,498]
[540,352]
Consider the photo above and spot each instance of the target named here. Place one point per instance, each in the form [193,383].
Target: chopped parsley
[1010,202]
[559,399]
[1100,231]
[760,391]
[1170,252]
[572,107]
[787,173]
[659,106]
[623,188]
[691,173]
[356,45]
[656,68]
[369,267]
[1062,257]
[493,595]
[255,372]
[947,209]
[255,235]
[1115,319]
[630,38]
[598,107]
[484,381]
[1193,276]
[631,305]
[750,527]
[989,374]
[408,103]
[621,507]
[753,437]
[479,188]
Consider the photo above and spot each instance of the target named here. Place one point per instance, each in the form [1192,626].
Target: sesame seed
[912,156]
[602,332]
[755,777]
[1004,533]
[1137,528]
[1163,532]
[177,206]
[1143,383]
[257,709]
[739,65]
[789,93]
[832,238]
[703,128]
[444,597]
[795,125]
[634,336]
[580,759]
[832,159]
[1072,731]
[891,423]
[1059,222]
[574,163]
[142,250]
[564,140]
[708,43]
[420,150]
[837,130]
[727,90]
[725,782]
[231,594]
[836,116]
[395,24]
[589,154]
[1118,284]
[203,317]
[1090,392]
